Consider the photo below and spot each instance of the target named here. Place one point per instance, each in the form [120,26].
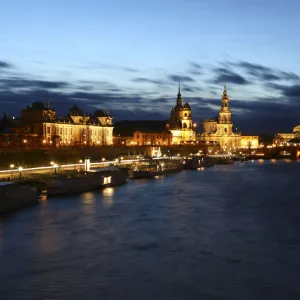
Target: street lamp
[20,169]
[12,173]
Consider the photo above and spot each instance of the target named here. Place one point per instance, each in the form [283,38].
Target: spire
[179,89]
[225,93]
[179,99]
[47,104]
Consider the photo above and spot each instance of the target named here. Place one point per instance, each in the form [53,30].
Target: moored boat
[149,169]
[225,161]
[87,180]
[17,195]
[196,162]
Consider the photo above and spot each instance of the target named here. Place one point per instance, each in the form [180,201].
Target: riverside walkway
[18,171]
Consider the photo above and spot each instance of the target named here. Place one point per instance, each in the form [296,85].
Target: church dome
[186,106]
[75,111]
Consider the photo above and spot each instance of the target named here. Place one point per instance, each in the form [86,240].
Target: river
[228,232]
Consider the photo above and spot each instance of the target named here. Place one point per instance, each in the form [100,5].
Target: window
[107,180]
[71,131]
[60,130]
[66,130]
[48,130]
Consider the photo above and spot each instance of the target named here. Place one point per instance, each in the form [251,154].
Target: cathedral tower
[225,112]
[224,122]
[180,123]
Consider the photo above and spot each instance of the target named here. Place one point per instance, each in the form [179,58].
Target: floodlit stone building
[220,130]
[40,122]
[282,138]
[180,123]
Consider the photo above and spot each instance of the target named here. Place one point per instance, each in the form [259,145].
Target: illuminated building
[152,138]
[76,129]
[281,138]
[220,130]
[180,123]
[141,133]
[144,138]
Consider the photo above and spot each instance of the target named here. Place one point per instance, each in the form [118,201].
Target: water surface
[229,232]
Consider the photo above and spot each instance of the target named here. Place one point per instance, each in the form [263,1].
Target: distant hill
[127,128]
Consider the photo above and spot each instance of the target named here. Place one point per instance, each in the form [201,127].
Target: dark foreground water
[229,232]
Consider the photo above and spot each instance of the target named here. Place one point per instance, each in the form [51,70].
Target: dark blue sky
[129,55]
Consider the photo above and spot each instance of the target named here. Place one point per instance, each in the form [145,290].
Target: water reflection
[88,201]
[108,196]
[224,234]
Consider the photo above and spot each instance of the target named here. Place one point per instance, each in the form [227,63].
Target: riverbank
[43,157]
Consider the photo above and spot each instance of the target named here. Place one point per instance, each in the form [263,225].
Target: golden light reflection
[88,198]
[261,161]
[88,201]
[287,160]
[108,195]
[273,160]
[43,196]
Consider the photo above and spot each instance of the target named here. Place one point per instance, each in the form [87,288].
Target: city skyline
[129,57]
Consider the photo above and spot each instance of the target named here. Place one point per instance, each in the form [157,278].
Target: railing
[56,167]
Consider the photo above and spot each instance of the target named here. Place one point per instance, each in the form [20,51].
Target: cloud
[5,65]
[195,69]
[145,80]
[179,78]
[292,92]
[226,76]
[18,82]
[289,76]
[191,89]
[104,66]
[267,114]
[265,73]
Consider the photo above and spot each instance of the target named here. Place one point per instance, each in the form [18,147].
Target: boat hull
[14,196]
[86,182]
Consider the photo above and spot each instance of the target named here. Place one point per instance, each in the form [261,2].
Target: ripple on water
[229,232]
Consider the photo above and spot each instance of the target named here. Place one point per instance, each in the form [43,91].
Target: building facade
[180,123]
[144,138]
[76,129]
[152,138]
[220,130]
[283,138]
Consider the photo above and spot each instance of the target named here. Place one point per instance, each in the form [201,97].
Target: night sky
[128,56]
